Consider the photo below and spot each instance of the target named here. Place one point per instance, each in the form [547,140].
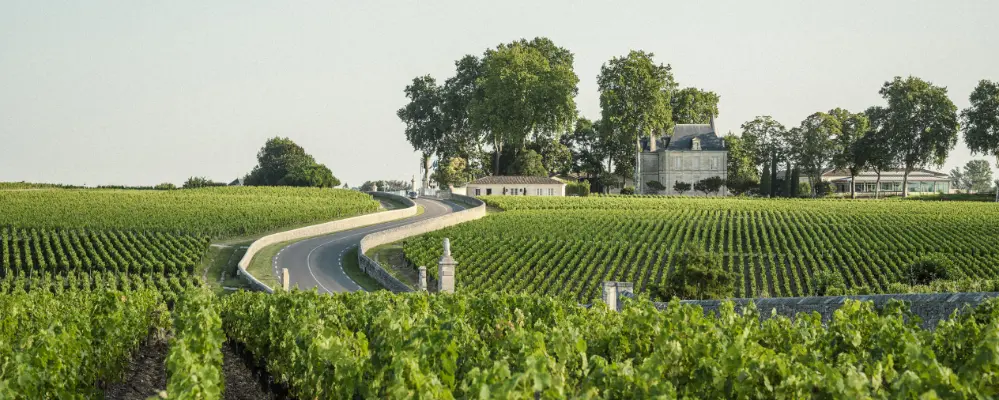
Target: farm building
[920,181]
[515,186]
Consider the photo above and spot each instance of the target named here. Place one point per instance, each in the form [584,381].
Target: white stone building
[694,152]
[515,186]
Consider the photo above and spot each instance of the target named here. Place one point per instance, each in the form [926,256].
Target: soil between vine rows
[146,376]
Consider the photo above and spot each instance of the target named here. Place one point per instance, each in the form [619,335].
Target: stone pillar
[445,270]
[613,290]
[423,279]
[285,279]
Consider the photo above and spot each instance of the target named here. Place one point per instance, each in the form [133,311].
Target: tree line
[512,111]
[916,128]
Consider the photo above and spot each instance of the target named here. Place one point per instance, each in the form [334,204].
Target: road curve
[318,262]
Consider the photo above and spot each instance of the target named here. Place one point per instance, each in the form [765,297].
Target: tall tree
[527,88]
[815,145]
[764,137]
[424,119]
[853,127]
[461,138]
[981,121]
[873,150]
[281,162]
[694,106]
[978,175]
[742,172]
[587,153]
[920,123]
[957,179]
[635,99]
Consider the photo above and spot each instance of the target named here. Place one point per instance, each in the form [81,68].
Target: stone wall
[930,307]
[322,229]
[417,228]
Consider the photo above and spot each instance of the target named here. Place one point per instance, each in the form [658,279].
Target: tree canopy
[981,121]
[694,106]
[919,123]
[281,162]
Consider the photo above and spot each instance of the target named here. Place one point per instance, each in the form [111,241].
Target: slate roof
[683,135]
[515,180]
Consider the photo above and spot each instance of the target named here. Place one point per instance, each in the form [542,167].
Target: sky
[137,93]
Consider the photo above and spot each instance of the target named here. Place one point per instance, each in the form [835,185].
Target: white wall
[532,189]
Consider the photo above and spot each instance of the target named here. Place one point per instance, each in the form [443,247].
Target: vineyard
[166,232]
[72,339]
[568,246]
[212,212]
[383,345]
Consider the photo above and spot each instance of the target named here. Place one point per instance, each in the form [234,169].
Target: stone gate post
[445,270]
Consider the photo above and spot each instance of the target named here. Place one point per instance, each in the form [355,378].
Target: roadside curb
[322,229]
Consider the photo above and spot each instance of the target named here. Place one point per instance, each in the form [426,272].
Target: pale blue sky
[140,92]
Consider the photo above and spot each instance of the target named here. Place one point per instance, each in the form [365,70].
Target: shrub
[828,283]
[698,275]
[929,269]
[581,189]
[680,187]
[628,190]
[804,189]
[656,186]
[165,186]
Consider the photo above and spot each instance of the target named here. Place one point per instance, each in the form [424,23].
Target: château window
[696,144]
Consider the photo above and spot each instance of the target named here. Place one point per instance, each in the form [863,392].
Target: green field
[56,231]
[568,246]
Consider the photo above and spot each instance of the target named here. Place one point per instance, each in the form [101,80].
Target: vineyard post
[445,270]
[423,279]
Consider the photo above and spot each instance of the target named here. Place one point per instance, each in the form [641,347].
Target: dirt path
[244,380]
[145,376]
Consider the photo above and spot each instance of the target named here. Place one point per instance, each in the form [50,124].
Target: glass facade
[914,186]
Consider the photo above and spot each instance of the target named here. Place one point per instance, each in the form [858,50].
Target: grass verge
[353,270]
[391,257]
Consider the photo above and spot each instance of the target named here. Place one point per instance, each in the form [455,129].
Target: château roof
[684,134]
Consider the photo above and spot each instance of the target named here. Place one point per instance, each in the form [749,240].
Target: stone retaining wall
[417,228]
[931,308]
[322,229]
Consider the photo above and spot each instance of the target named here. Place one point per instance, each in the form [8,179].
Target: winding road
[318,262]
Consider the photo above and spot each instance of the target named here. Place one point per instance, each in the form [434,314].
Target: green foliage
[980,121]
[978,176]
[528,163]
[628,190]
[527,87]
[451,173]
[681,187]
[581,189]
[485,345]
[165,186]
[281,162]
[694,106]
[194,182]
[635,96]
[828,283]
[804,189]
[655,186]
[698,275]
[919,123]
[61,346]
[213,212]
[709,185]
[929,269]
[567,246]
[194,361]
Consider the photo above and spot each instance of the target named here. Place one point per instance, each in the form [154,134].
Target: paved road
[318,262]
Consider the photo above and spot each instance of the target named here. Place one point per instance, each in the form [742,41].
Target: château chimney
[712,122]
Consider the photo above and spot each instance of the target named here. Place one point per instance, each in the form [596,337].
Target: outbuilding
[516,186]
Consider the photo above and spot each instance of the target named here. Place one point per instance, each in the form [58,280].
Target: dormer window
[695,144]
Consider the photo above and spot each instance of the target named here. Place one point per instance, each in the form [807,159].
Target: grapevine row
[772,247]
